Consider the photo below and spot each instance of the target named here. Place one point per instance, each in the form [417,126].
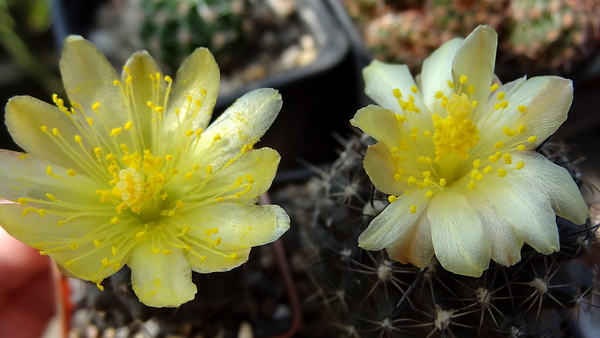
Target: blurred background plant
[536,36]
[21,20]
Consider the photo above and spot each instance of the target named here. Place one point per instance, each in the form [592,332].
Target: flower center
[447,150]
[455,133]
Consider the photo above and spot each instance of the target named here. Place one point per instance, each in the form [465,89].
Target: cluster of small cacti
[365,294]
[172,30]
[536,34]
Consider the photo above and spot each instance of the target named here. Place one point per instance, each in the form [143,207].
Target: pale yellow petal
[517,92]
[415,246]
[526,210]
[506,245]
[89,78]
[242,124]
[236,226]
[461,244]
[202,259]
[393,222]
[380,123]
[260,164]
[71,244]
[195,91]
[437,71]
[548,109]
[380,81]
[160,279]
[25,119]
[556,183]
[475,59]
[381,168]
[23,175]
[145,86]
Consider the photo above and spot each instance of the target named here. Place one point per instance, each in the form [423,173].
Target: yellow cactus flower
[132,174]
[456,154]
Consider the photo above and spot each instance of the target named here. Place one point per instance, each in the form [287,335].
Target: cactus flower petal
[461,243]
[456,155]
[132,174]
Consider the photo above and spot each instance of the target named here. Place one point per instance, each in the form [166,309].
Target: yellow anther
[55,132]
[427,134]
[532,139]
[471,185]
[521,129]
[414,89]
[22,200]
[471,89]
[128,125]
[487,169]
[521,147]
[508,132]
[116,131]
[189,98]
[105,262]
[411,180]
[462,79]
[198,132]
[97,243]
[42,212]
[429,193]
[90,121]
[426,174]
[494,87]
[501,172]
[114,220]
[71,172]
[521,108]
[96,105]
[78,139]
[216,138]
[519,165]
[168,79]
[438,94]
[167,251]
[401,118]
[474,103]
[413,209]
[188,175]
[499,145]
[209,169]
[100,287]
[140,234]
[73,246]
[189,133]
[442,182]
[116,82]
[397,93]
[501,96]
[474,173]
[159,109]
[476,163]
[164,196]
[507,158]
[450,84]
[44,128]
[113,250]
